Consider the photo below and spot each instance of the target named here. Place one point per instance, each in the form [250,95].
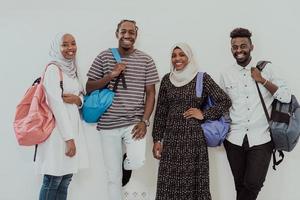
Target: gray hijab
[68,66]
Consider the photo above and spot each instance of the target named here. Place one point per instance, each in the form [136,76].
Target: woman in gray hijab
[64,152]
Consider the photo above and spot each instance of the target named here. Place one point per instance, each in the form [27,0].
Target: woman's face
[68,47]
[179,59]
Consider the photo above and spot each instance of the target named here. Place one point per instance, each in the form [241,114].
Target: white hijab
[188,73]
[68,66]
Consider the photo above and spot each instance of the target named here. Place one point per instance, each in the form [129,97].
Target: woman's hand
[72,99]
[70,148]
[193,113]
[157,149]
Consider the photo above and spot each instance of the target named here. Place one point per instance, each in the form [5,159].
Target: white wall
[26,28]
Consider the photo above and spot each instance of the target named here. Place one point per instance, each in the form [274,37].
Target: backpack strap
[261,65]
[117,57]
[60,76]
[199,88]
[41,80]
[116,54]
[199,84]
[35,151]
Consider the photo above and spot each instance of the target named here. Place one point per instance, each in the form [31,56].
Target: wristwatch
[146,121]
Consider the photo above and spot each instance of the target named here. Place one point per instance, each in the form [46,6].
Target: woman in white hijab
[178,138]
[181,75]
[64,152]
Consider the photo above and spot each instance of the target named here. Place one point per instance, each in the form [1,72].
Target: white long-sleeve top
[247,114]
[51,158]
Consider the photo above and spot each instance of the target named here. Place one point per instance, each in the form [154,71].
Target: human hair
[127,20]
[241,32]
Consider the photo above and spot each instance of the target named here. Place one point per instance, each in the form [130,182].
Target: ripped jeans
[113,155]
[55,187]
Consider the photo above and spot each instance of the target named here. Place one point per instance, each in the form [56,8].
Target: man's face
[241,48]
[126,35]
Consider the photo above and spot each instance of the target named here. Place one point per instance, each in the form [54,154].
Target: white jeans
[113,155]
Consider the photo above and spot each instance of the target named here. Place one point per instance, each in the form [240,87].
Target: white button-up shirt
[247,114]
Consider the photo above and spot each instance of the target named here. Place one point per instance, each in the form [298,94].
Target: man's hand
[256,75]
[118,69]
[70,148]
[193,113]
[139,131]
[157,149]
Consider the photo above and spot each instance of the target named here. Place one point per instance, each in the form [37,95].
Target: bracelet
[265,82]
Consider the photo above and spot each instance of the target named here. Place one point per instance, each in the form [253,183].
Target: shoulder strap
[261,65]
[262,102]
[116,54]
[41,80]
[60,76]
[55,64]
[117,57]
[199,88]
[199,84]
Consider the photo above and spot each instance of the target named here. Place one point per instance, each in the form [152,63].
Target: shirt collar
[251,64]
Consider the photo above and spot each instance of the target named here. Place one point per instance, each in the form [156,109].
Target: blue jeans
[55,187]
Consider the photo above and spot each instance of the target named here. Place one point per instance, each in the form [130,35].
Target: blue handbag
[215,131]
[99,101]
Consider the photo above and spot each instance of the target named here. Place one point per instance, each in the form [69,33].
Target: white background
[27,27]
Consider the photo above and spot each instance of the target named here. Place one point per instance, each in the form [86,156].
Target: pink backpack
[34,120]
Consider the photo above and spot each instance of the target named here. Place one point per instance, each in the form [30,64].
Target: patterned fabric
[128,105]
[184,170]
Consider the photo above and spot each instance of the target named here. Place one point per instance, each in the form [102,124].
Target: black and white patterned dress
[184,169]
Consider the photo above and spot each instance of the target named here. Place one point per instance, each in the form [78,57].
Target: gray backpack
[284,122]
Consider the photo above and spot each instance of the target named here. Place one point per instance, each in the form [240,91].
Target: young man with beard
[127,119]
[248,145]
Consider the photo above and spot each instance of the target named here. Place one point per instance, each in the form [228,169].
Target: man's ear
[252,47]
[116,34]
